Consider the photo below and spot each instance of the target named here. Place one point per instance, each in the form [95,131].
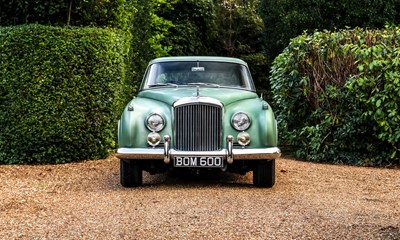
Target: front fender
[263,128]
[132,130]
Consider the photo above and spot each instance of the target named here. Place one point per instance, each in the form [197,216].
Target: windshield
[212,74]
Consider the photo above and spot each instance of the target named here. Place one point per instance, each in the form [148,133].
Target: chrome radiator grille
[198,127]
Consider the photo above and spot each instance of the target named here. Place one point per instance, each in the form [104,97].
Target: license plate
[199,161]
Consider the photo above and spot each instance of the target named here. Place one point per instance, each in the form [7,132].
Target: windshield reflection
[198,73]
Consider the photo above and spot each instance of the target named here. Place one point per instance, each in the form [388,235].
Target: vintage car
[201,114]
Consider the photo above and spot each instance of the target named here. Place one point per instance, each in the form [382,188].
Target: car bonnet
[171,94]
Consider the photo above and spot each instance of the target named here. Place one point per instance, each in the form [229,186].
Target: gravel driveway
[309,201]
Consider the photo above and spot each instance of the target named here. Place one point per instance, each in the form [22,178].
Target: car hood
[171,95]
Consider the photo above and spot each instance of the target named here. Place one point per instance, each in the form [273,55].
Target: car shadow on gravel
[180,179]
[186,179]
[191,179]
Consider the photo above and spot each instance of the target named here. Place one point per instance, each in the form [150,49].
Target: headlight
[155,122]
[240,121]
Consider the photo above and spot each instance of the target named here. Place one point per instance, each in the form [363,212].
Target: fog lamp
[243,138]
[153,139]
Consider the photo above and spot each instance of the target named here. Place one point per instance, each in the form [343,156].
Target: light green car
[201,114]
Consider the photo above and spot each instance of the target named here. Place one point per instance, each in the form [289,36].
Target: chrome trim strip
[175,153]
[256,153]
[204,100]
[140,153]
[238,154]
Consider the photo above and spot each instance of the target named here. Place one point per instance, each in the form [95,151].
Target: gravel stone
[309,201]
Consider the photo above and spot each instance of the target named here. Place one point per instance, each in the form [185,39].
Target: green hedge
[61,91]
[337,96]
[105,13]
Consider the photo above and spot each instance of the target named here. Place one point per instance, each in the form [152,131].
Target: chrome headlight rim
[243,125]
[152,126]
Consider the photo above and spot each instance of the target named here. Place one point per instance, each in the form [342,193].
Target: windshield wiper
[163,85]
[205,84]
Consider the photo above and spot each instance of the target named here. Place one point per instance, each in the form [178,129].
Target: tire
[264,174]
[131,174]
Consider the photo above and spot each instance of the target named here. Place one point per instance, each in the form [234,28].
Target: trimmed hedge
[115,13]
[337,96]
[61,92]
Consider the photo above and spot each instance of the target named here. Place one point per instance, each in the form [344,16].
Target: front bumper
[230,154]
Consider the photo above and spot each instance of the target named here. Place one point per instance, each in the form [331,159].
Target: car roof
[199,58]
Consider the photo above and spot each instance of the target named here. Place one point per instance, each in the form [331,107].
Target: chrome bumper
[230,154]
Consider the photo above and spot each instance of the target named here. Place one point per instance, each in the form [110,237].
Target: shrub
[61,91]
[116,13]
[287,19]
[337,95]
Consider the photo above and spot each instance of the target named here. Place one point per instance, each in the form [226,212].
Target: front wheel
[131,173]
[264,174]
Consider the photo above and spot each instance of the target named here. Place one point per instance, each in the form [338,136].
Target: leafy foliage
[239,27]
[61,91]
[148,30]
[287,19]
[194,27]
[223,27]
[240,34]
[65,12]
[337,95]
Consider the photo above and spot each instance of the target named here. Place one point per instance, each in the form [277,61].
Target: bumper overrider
[230,154]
